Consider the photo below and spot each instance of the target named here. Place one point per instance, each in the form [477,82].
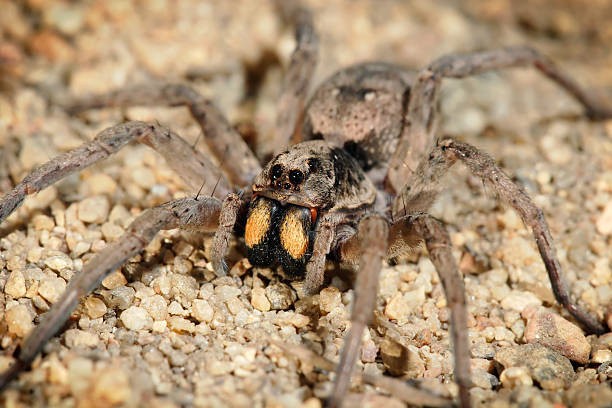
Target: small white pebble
[94,307]
[114,280]
[18,320]
[58,262]
[202,311]
[80,338]
[329,299]
[136,318]
[156,306]
[513,377]
[15,284]
[180,324]
[94,209]
[51,288]
[259,300]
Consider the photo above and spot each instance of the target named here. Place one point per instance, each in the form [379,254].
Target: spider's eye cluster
[296,177]
[276,172]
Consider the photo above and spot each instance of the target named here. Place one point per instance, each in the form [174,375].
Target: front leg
[325,233]
[201,214]
[372,242]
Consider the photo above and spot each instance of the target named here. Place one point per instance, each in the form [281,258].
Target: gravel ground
[165,332]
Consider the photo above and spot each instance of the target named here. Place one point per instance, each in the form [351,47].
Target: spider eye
[276,172]
[313,164]
[296,177]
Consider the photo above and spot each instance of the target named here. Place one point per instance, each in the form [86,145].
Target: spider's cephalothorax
[291,192]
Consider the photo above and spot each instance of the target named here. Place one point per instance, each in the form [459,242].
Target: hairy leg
[443,156]
[324,238]
[230,209]
[193,167]
[240,163]
[188,213]
[297,79]
[421,116]
[372,240]
[404,234]
[438,245]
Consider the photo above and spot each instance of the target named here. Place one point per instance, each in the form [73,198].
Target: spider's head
[304,175]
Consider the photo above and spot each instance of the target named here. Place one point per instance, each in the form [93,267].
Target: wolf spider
[354,184]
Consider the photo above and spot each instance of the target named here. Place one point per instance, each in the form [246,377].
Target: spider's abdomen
[279,234]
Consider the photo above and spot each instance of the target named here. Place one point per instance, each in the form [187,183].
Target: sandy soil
[165,332]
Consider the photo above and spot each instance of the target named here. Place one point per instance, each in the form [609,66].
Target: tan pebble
[159,326]
[94,307]
[234,305]
[601,356]
[136,318]
[402,305]
[180,324]
[41,200]
[80,338]
[80,248]
[549,368]
[156,306]
[518,300]
[259,300]
[57,372]
[400,360]
[100,183]
[43,222]
[513,377]
[114,280]
[143,177]
[111,231]
[604,221]
[481,379]
[58,262]
[312,403]
[329,299]
[112,387]
[34,254]
[280,295]
[18,320]
[15,284]
[202,311]
[98,245]
[51,288]
[175,308]
[299,320]
[120,216]
[94,209]
[510,220]
[553,331]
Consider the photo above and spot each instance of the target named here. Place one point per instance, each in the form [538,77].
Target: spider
[354,176]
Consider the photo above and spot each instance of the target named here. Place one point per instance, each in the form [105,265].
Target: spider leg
[191,165]
[445,154]
[324,238]
[297,79]
[232,204]
[372,241]
[438,245]
[188,213]
[405,233]
[224,141]
[421,116]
